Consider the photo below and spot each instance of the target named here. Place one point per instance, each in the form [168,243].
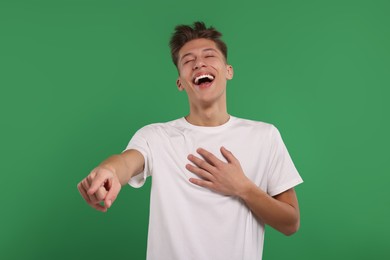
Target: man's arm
[281,211]
[105,181]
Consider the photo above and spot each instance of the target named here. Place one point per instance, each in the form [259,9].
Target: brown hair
[185,33]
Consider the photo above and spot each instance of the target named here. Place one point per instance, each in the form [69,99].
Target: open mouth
[203,80]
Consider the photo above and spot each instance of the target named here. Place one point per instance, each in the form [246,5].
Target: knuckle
[90,178]
[93,173]
[219,165]
[198,171]
[203,174]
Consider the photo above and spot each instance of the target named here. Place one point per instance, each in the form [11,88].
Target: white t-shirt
[188,222]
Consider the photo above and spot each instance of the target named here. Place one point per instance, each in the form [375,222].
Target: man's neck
[212,116]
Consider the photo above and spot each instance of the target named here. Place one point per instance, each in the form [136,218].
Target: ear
[179,85]
[229,72]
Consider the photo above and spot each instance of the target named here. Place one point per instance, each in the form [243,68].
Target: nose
[199,63]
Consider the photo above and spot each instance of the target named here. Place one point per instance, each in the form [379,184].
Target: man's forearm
[124,165]
[280,212]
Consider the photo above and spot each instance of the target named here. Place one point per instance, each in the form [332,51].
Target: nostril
[198,64]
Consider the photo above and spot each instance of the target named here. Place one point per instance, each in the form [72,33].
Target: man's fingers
[200,172]
[99,207]
[83,192]
[98,195]
[101,194]
[209,157]
[101,185]
[90,199]
[113,192]
[98,180]
[228,155]
[86,185]
[201,163]
[202,183]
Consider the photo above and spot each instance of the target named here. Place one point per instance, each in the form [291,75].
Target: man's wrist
[108,167]
[245,190]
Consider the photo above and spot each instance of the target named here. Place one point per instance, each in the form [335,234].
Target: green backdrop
[78,78]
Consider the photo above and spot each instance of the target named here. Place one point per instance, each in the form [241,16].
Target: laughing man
[217,179]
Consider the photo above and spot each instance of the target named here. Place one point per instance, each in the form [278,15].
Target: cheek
[185,81]
[184,72]
[218,65]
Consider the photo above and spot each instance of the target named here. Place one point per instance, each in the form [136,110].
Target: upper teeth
[210,77]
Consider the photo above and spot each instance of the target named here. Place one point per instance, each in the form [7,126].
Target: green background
[78,78]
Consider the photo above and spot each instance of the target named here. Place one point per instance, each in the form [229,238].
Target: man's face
[203,72]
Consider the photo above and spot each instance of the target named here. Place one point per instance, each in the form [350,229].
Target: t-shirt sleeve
[140,143]
[282,174]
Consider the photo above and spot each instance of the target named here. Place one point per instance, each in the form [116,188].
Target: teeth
[210,77]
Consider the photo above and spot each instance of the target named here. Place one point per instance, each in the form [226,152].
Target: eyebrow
[204,50]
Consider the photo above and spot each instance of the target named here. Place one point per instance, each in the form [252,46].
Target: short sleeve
[282,174]
[140,143]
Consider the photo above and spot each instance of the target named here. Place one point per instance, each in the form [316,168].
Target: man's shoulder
[153,127]
[253,124]
[164,124]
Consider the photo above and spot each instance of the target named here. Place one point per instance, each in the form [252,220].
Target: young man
[217,179]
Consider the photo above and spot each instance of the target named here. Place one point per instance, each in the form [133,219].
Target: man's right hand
[100,188]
